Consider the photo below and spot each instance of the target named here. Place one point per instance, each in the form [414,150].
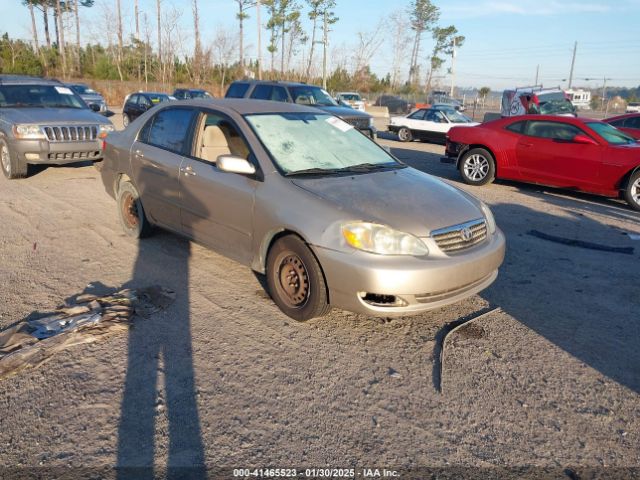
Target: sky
[506,40]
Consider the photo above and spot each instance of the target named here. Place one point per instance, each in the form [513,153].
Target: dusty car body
[329,216]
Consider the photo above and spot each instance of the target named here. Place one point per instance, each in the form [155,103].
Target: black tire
[11,165]
[632,191]
[305,296]
[131,213]
[477,167]
[404,135]
[125,120]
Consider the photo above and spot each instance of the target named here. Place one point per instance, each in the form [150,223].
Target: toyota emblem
[466,234]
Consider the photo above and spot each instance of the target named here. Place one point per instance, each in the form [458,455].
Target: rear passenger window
[170,129]
[279,95]
[552,130]
[262,92]
[517,127]
[618,123]
[237,90]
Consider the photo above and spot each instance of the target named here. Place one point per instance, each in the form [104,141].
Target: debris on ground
[32,342]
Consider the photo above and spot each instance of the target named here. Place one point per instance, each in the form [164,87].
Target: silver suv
[43,121]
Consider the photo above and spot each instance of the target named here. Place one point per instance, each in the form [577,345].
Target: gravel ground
[547,376]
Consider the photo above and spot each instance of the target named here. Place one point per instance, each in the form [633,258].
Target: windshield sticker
[64,90]
[339,124]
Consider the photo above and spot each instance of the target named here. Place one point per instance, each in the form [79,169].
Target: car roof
[551,118]
[620,117]
[245,106]
[6,79]
[150,93]
[285,83]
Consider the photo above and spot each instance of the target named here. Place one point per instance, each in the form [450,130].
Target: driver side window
[217,136]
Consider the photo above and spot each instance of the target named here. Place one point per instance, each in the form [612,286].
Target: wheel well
[283,233]
[119,178]
[624,181]
[475,145]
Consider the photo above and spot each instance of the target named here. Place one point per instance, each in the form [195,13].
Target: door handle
[139,154]
[188,171]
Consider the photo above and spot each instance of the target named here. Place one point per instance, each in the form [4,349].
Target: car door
[131,106]
[217,206]
[156,156]
[546,153]
[435,126]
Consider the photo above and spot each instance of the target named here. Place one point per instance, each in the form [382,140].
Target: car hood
[407,200]
[342,111]
[52,116]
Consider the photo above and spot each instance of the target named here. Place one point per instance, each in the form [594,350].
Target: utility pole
[137,14]
[325,41]
[573,62]
[259,41]
[604,91]
[537,72]
[453,67]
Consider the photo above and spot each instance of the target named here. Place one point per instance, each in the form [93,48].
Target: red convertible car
[629,124]
[575,153]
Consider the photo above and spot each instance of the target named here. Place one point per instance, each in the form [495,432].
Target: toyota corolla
[329,216]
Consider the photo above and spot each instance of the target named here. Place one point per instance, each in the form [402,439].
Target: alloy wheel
[635,191]
[476,167]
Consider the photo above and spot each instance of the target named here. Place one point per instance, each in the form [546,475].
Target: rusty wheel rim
[130,210]
[293,281]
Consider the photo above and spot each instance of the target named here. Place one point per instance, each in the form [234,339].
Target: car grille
[74,155]
[358,122]
[460,237]
[71,133]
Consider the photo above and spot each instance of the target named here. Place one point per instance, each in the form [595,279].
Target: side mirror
[233,164]
[584,140]
[95,107]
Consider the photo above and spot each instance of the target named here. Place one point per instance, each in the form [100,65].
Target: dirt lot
[549,376]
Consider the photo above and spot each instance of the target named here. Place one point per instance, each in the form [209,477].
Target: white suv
[633,107]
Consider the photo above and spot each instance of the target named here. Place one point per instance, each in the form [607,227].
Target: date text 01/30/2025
[314,473]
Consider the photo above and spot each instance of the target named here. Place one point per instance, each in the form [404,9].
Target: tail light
[104,145]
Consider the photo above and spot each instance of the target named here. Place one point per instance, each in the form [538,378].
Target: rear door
[156,156]
[546,153]
[217,206]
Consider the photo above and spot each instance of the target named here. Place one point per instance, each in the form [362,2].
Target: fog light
[378,300]
[32,156]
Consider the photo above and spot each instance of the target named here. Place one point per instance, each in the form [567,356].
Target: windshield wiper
[315,171]
[61,105]
[369,167]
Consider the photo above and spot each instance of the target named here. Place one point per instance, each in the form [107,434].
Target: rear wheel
[125,119]
[132,217]
[404,135]
[477,167]
[632,192]
[12,166]
[295,279]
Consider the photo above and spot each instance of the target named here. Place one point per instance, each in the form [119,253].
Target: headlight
[28,131]
[382,240]
[105,130]
[491,222]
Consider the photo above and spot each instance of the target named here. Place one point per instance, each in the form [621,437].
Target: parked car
[441,98]
[633,107]
[428,124]
[45,122]
[394,104]
[628,123]
[351,99]
[135,104]
[302,94]
[295,193]
[188,93]
[576,153]
[536,100]
[90,96]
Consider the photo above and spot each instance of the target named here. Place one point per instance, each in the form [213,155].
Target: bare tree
[223,48]
[398,28]
[34,29]
[159,20]
[197,49]
[424,16]
[297,37]
[61,45]
[136,13]
[368,44]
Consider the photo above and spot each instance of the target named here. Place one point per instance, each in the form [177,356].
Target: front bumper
[420,284]
[59,153]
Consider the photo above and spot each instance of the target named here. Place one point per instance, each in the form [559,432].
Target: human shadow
[160,355]
[582,300]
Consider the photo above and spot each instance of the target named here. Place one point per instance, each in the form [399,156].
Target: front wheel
[404,135]
[477,167]
[12,166]
[632,192]
[132,217]
[125,120]
[295,280]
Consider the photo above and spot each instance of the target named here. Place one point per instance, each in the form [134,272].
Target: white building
[580,98]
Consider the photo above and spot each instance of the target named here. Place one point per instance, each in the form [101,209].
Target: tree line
[294,35]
